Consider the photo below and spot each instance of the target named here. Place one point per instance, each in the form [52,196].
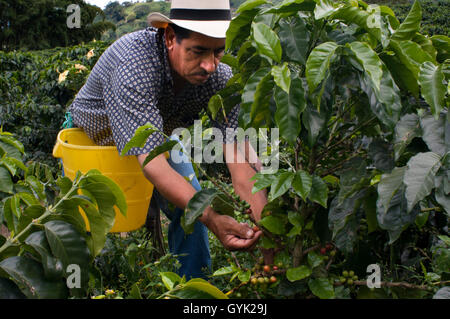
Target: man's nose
[209,63]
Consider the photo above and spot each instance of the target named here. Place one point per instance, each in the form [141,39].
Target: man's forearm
[243,187]
[170,184]
[243,164]
[173,186]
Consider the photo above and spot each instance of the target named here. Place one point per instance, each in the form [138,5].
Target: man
[167,77]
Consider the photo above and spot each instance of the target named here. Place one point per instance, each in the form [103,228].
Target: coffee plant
[48,252]
[361,103]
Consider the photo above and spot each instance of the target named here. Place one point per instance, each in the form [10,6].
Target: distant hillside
[129,17]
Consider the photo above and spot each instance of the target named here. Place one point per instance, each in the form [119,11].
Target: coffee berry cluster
[348,277]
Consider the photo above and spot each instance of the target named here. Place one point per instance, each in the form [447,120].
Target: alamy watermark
[74,279]
[74,19]
[374,278]
[207,146]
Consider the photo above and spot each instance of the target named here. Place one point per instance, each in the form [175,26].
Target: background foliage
[371,154]
[41,24]
[34,96]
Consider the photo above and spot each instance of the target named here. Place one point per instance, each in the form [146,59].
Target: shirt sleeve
[131,101]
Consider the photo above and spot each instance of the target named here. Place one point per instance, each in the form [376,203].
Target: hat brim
[214,29]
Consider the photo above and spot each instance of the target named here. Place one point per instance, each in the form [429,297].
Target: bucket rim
[82,147]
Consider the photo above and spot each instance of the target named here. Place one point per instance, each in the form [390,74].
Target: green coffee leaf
[158,150]
[298,273]
[302,184]
[249,98]
[10,140]
[115,190]
[325,8]
[260,105]
[289,108]
[170,279]
[250,4]
[262,181]
[314,259]
[99,228]
[281,184]
[53,267]
[359,16]
[419,176]
[405,131]
[196,206]
[318,63]
[282,76]
[442,197]
[140,137]
[290,7]
[215,105]
[294,37]
[319,191]
[6,184]
[199,289]
[267,42]
[222,205]
[433,88]
[434,133]
[381,154]
[29,275]
[369,60]
[223,271]
[411,55]
[244,276]
[69,246]
[442,45]
[274,224]
[239,29]
[396,218]
[322,288]
[411,25]
[388,186]
[314,122]
[8,214]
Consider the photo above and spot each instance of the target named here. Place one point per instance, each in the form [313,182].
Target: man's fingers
[236,243]
[245,231]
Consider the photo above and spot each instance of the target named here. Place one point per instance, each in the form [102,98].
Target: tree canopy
[42,24]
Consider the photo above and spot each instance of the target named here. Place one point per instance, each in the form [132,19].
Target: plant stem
[315,247]
[236,260]
[338,166]
[48,212]
[325,152]
[297,255]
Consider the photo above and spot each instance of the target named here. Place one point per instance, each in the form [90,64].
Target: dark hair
[180,33]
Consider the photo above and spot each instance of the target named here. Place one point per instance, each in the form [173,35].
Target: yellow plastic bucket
[79,153]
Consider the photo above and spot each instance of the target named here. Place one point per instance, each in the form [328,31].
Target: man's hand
[232,235]
[243,163]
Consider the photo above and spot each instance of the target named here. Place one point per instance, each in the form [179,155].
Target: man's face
[195,58]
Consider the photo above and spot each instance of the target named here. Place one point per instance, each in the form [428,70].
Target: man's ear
[170,37]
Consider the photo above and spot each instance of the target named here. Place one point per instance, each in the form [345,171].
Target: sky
[102,3]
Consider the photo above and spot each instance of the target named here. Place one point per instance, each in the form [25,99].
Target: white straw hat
[209,17]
